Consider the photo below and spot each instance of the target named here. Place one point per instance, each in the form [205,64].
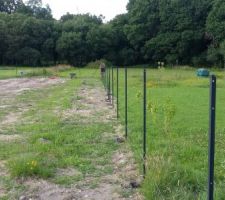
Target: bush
[95,64]
[39,72]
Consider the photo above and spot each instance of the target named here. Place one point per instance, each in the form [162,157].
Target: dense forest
[184,32]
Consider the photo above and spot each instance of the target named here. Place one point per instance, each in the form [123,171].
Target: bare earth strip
[94,109]
[110,186]
[10,88]
[91,107]
[12,111]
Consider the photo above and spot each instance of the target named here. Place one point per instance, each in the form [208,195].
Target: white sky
[108,8]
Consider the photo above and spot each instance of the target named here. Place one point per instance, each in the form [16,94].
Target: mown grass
[13,72]
[177,117]
[51,142]
[177,123]
[58,71]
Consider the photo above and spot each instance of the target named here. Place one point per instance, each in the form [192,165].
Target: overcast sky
[108,8]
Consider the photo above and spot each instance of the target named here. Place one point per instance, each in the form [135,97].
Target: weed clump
[27,167]
[162,112]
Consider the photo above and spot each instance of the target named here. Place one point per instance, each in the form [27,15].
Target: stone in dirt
[135,184]
[23,198]
[120,139]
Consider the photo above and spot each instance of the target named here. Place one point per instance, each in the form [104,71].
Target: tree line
[184,32]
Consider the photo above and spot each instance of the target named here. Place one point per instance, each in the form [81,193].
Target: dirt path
[113,186]
[12,87]
[90,107]
[10,110]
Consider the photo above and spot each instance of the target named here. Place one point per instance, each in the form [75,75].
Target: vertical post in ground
[112,87]
[106,81]
[144,123]
[126,133]
[211,153]
[108,84]
[117,91]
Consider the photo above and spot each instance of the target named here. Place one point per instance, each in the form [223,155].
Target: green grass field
[13,72]
[177,123]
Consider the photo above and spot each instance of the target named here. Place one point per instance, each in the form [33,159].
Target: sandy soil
[109,187]
[92,105]
[10,88]
[13,111]
[9,138]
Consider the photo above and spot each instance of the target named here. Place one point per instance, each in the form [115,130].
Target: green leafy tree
[74,45]
[72,48]
[35,8]
[216,33]
[28,56]
[99,41]
[3,35]
[171,31]
[143,24]
[121,52]
[10,6]
[216,22]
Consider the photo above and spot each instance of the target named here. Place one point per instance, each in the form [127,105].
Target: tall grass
[177,122]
